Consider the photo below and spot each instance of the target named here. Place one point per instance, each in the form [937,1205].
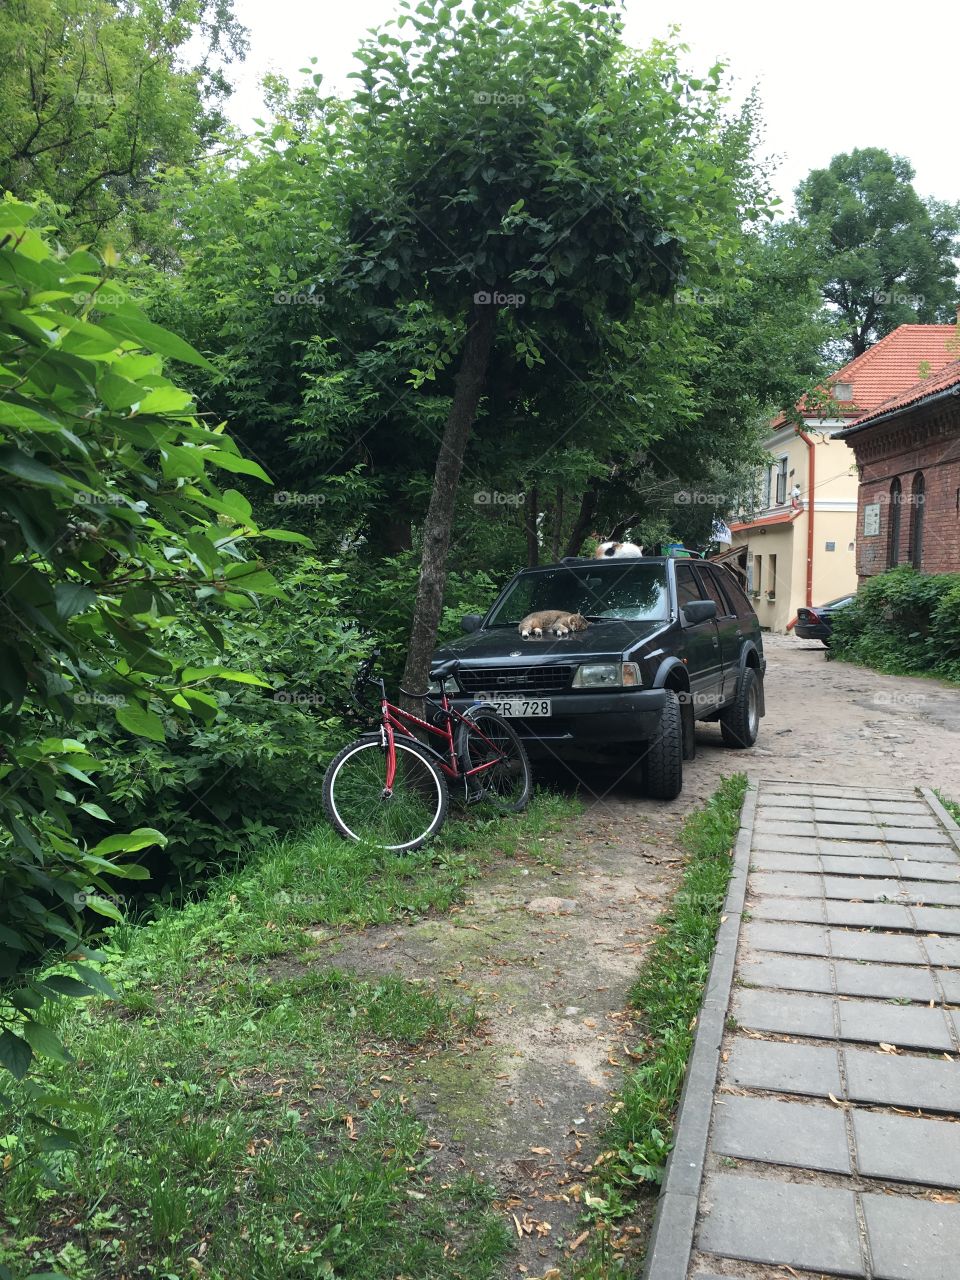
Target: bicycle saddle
[444,669]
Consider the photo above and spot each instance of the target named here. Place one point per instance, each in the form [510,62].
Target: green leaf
[141,838]
[42,1040]
[103,907]
[15,1054]
[17,463]
[140,720]
[231,462]
[96,980]
[95,811]
[72,598]
[65,986]
[128,323]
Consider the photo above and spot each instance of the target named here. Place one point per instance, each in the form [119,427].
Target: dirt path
[549,943]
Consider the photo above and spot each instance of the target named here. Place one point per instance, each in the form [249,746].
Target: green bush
[903,622]
[114,543]
[219,789]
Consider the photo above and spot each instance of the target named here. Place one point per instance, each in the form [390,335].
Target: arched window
[917,499]
[893,528]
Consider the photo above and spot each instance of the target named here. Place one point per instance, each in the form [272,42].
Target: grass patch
[951,806]
[667,996]
[241,1118]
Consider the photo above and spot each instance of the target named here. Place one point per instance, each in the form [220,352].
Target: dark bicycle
[389,789]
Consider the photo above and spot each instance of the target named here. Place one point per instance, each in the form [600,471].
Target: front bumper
[589,719]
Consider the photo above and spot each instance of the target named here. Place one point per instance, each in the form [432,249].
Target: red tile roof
[947,378]
[890,367]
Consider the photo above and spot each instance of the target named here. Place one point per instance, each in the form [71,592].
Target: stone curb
[946,821]
[671,1241]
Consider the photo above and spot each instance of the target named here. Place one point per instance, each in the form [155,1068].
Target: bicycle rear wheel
[484,739]
[356,800]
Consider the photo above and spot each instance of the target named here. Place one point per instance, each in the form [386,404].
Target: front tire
[740,722]
[354,796]
[482,737]
[664,753]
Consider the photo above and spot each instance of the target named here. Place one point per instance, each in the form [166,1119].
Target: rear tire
[353,798]
[740,722]
[663,762]
[508,785]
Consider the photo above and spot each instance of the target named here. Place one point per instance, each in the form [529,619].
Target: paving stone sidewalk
[833,1058]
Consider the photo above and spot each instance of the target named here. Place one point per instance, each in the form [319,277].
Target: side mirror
[698,611]
[471,621]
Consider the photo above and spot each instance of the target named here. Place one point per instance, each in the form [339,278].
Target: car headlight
[607,675]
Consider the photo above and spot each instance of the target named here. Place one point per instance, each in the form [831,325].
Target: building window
[781,470]
[843,391]
[772,578]
[917,500]
[765,490]
[893,530]
[757,583]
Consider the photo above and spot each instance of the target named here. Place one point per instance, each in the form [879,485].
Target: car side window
[731,589]
[712,588]
[687,586]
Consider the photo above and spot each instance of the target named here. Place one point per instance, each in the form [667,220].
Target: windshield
[631,592]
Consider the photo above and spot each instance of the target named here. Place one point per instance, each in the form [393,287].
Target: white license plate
[511,708]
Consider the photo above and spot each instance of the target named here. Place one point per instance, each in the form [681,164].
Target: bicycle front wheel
[490,745]
[358,804]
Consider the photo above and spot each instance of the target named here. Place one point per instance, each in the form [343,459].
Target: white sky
[832,76]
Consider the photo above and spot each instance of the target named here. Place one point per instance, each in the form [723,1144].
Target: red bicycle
[388,789]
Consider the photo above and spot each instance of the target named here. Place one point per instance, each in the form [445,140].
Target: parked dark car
[817,624]
[670,642]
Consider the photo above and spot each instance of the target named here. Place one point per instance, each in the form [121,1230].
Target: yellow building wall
[834,501]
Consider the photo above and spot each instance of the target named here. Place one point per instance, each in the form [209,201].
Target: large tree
[520,168]
[97,95]
[887,256]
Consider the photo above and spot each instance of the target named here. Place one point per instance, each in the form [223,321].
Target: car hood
[503,645]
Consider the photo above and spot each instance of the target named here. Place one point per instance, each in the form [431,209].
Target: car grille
[507,681]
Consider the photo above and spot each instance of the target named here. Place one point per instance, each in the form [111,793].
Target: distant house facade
[908,456]
[798,545]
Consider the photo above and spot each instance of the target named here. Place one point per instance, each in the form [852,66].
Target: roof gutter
[896,413]
[811,482]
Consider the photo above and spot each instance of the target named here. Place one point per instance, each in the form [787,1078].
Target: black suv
[670,641]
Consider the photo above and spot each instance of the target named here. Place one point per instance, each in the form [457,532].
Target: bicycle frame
[394,719]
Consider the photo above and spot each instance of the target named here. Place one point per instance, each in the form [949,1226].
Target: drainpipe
[811,482]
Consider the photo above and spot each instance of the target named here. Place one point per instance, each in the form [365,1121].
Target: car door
[702,645]
[729,631]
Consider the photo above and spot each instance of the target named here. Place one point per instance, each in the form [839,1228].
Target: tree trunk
[438,524]
[530,513]
[581,526]
[557,524]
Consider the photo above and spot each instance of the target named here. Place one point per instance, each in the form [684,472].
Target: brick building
[908,457]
